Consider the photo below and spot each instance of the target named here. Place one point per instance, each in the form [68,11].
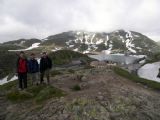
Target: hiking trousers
[45,73]
[22,80]
[34,78]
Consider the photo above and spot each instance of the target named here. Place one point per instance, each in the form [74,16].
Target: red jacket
[22,65]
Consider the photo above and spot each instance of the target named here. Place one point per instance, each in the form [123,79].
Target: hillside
[7,59]
[100,94]
[118,41]
[7,63]
[62,57]
[23,42]
[158,42]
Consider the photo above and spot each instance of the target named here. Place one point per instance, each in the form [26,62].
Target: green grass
[154,58]
[48,92]
[8,86]
[62,57]
[17,96]
[152,84]
[37,94]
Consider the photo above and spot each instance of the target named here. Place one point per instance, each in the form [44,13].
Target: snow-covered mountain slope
[118,41]
[23,42]
[33,46]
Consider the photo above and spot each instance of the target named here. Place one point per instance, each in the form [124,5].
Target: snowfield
[35,45]
[119,58]
[150,71]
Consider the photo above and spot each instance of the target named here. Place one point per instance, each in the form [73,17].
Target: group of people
[31,66]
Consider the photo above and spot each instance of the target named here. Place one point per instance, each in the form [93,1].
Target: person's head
[22,54]
[44,54]
[32,56]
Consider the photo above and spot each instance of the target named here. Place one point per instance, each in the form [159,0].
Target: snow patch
[136,36]
[129,40]
[150,71]
[5,80]
[107,38]
[22,42]
[76,49]
[71,46]
[92,38]
[130,49]
[99,41]
[86,51]
[106,52]
[139,48]
[35,45]
[56,49]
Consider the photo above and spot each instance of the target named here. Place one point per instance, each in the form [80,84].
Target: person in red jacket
[22,71]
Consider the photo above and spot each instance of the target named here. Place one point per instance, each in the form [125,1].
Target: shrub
[47,93]
[76,88]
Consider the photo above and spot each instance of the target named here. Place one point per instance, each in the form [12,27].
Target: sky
[41,18]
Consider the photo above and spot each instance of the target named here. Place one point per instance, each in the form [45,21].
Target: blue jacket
[33,66]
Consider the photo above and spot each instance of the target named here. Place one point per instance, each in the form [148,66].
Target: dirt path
[98,81]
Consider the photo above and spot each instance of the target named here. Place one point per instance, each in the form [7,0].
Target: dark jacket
[33,66]
[45,63]
[21,65]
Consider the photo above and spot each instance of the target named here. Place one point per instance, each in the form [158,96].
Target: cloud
[39,18]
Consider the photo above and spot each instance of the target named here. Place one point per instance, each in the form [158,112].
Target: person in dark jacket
[33,69]
[22,71]
[45,66]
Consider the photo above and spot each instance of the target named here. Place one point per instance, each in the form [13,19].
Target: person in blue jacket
[33,69]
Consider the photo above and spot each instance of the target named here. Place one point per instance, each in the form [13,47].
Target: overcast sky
[41,18]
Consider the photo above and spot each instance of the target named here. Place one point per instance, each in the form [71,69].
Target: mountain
[118,41]
[158,42]
[23,42]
